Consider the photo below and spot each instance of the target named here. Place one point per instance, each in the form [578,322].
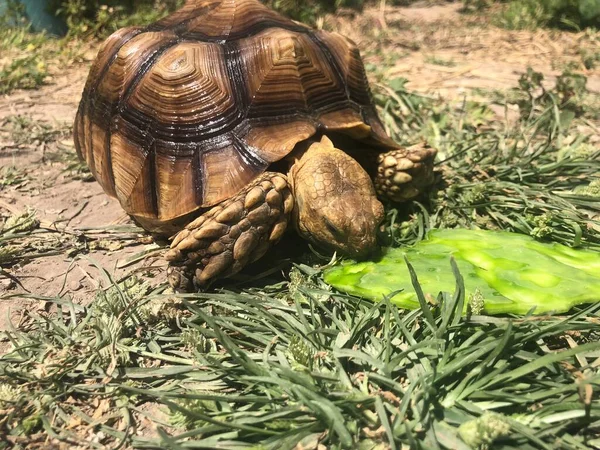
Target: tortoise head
[336,205]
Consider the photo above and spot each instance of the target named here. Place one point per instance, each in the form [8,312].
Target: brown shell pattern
[184,113]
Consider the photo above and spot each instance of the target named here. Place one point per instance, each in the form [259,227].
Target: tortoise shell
[182,114]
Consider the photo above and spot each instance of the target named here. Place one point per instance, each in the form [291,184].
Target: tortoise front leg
[232,234]
[403,174]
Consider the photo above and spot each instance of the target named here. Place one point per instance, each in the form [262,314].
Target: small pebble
[75,285]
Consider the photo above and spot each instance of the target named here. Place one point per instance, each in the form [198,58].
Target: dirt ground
[438,49]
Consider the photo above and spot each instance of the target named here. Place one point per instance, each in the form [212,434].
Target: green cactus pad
[512,272]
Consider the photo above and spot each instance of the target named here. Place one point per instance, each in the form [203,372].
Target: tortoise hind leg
[402,174]
[232,234]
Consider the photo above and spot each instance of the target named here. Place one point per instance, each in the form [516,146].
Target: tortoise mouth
[362,252]
[357,249]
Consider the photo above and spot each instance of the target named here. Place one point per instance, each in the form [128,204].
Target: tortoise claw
[180,279]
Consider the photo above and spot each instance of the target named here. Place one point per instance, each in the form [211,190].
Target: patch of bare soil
[63,203]
[443,51]
[55,103]
[438,49]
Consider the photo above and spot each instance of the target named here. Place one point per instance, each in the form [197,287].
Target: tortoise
[223,122]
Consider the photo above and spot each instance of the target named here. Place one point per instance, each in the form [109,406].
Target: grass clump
[309,11]
[28,72]
[282,369]
[19,223]
[440,61]
[533,14]
[28,55]
[523,15]
[521,177]
[32,58]
[100,18]
[12,176]
[74,167]
[22,130]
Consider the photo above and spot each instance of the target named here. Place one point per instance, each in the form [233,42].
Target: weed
[523,15]
[590,58]
[74,167]
[476,5]
[28,68]
[532,14]
[28,72]
[96,18]
[23,130]
[440,61]
[12,176]
[569,98]
[21,39]
[31,57]
[309,10]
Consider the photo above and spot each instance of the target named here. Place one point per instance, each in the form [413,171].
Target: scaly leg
[403,174]
[232,234]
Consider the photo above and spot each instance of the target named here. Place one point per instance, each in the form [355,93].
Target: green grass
[534,14]
[308,11]
[28,72]
[98,19]
[32,58]
[294,364]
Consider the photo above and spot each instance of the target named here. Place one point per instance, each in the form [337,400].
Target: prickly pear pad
[512,273]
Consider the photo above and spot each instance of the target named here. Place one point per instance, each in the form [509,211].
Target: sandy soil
[61,202]
[409,41]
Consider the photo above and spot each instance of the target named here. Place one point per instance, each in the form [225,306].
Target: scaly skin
[403,174]
[327,194]
[232,234]
[336,204]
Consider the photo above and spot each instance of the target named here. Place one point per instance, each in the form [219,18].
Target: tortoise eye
[335,231]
